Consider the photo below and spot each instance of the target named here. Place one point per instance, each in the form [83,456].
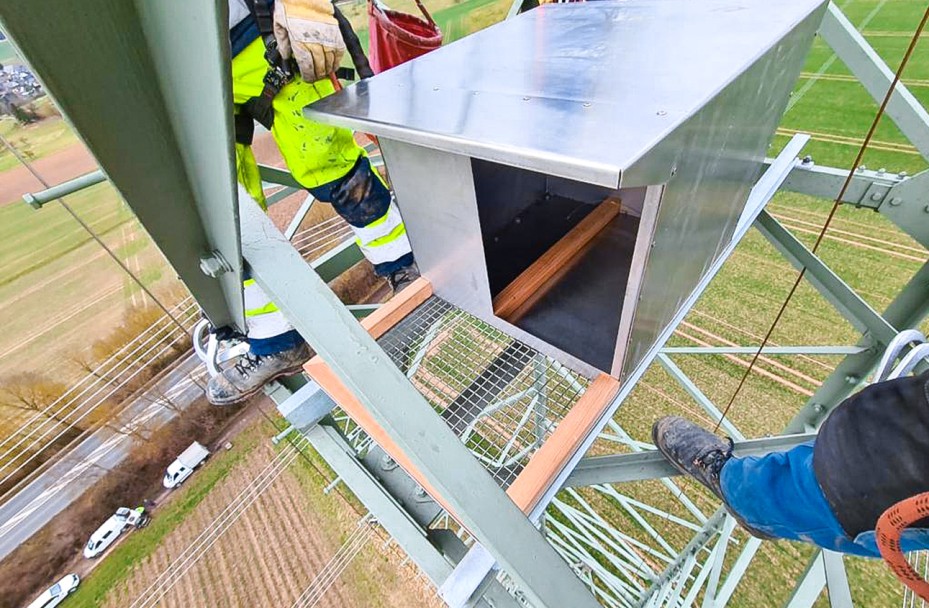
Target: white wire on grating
[499,395]
[920,562]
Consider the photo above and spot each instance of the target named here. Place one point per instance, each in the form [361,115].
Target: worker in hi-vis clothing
[282,56]
[870,453]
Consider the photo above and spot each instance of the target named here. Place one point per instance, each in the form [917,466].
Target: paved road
[63,482]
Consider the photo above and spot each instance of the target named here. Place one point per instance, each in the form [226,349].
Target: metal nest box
[569,175]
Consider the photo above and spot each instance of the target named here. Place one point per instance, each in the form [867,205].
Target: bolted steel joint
[213,264]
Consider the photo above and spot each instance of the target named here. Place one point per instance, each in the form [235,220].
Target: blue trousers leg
[778,494]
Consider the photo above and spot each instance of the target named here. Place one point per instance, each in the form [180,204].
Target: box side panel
[717,156]
[435,193]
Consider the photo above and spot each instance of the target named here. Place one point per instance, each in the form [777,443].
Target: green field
[8,53]
[49,269]
[59,288]
[140,544]
[34,141]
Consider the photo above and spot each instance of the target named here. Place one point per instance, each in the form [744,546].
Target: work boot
[239,382]
[697,453]
[402,277]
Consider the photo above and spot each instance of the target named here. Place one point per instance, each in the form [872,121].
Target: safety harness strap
[279,72]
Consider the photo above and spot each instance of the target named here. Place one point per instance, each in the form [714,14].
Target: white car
[184,465]
[112,528]
[55,594]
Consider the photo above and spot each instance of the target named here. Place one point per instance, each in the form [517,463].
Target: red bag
[398,37]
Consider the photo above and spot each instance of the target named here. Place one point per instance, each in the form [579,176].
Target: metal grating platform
[502,397]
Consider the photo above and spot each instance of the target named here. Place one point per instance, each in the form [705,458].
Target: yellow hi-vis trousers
[317,155]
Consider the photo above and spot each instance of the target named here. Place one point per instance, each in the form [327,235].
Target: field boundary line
[801,93]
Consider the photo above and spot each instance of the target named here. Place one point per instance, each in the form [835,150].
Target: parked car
[119,522]
[55,594]
[184,465]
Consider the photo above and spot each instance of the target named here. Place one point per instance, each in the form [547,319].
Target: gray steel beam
[702,400]
[278,176]
[841,296]
[810,585]
[336,261]
[710,528]
[868,67]
[303,409]
[840,595]
[619,468]
[280,195]
[151,80]
[906,311]
[908,207]
[867,189]
[37,199]
[395,405]
[408,534]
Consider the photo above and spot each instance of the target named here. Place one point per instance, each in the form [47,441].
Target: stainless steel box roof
[582,91]
[678,99]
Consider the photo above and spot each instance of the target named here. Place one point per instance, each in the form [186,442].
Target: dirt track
[56,168]
[77,160]
[270,554]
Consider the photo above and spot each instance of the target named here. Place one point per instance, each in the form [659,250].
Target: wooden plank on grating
[397,308]
[548,461]
[529,287]
[323,375]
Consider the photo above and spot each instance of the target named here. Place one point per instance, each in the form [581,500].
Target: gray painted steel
[834,289]
[810,585]
[906,311]
[868,188]
[407,418]
[638,466]
[150,82]
[37,199]
[840,596]
[908,207]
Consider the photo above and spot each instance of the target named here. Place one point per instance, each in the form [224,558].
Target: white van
[184,465]
[112,528]
[56,594]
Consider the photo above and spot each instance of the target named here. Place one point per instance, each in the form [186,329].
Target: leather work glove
[307,31]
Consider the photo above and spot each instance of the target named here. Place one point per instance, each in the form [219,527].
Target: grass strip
[121,561]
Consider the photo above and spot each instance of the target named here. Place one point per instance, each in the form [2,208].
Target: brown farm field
[282,539]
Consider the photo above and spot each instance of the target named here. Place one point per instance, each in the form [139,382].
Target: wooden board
[323,375]
[548,461]
[397,308]
[526,289]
